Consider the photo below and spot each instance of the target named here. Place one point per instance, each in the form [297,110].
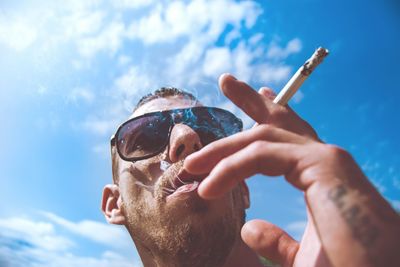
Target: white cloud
[131,4]
[244,57]
[217,60]
[33,257]
[231,36]
[124,60]
[256,38]
[188,31]
[126,91]
[192,28]
[208,18]
[298,97]
[81,94]
[151,29]
[17,33]
[95,231]
[184,68]
[268,73]
[39,234]
[109,39]
[99,126]
[28,243]
[133,82]
[83,23]
[276,52]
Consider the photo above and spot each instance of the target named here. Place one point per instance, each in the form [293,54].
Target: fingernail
[227,75]
[267,92]
[223,76]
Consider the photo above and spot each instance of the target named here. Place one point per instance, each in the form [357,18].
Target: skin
[185,230]
[349,222]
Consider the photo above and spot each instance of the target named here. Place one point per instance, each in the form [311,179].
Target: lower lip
[185,189]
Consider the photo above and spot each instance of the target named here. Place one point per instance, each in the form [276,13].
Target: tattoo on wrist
[356,218]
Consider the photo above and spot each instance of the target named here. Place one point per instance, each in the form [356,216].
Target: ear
[245,194]
[111,205]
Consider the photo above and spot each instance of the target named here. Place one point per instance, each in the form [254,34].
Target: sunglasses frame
[170,115]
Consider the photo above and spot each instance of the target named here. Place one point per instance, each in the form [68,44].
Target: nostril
[179,150]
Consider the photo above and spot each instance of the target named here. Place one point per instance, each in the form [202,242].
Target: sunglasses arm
[112,140]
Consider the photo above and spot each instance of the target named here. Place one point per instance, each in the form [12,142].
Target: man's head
[157,200]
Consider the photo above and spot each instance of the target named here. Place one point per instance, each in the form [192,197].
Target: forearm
[356,226]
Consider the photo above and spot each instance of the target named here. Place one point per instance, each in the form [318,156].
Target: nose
[183,142]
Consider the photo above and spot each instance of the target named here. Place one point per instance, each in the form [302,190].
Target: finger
[204,160]
[270,241]
[262,109]
[267,92]
[244,97]
[264,157]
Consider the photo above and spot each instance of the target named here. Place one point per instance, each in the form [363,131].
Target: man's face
[162,208]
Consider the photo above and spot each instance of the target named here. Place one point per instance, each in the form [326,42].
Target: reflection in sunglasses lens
[148,135]
[144,136]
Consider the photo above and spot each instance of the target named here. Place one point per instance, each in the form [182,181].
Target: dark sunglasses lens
[143,136]
[212,124]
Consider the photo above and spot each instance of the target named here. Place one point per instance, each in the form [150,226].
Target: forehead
[167,103]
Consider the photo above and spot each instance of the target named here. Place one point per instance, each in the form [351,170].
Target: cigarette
[300,76]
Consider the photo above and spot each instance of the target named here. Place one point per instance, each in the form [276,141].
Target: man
[179,187]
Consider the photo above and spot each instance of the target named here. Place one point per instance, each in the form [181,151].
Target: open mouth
[183,183]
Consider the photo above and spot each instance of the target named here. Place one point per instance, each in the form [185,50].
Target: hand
[284,144]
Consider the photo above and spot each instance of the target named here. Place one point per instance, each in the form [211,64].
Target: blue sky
[70,72]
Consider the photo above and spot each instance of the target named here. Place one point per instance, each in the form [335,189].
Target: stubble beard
[188,237]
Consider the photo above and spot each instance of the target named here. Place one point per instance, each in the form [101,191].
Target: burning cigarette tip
[300,76]
[314,60]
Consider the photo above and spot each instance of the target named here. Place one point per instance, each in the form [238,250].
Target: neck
[241,255]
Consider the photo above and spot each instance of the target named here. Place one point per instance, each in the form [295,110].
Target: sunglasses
[147,135]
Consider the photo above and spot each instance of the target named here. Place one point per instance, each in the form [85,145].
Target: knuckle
[258,151]
[336,152]
[257,146]
[265,129]
[279,113]
[229,167]
[224,164]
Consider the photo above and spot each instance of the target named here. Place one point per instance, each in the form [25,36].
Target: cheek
[149,170]
[135,194]
[153,171]
[137,204]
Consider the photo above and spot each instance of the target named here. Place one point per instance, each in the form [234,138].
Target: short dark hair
[165,92]
[162,92]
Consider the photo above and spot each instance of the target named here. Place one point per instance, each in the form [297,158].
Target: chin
[189,229]
[196,238]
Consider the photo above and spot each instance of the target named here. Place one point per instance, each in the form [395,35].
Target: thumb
[270,241]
